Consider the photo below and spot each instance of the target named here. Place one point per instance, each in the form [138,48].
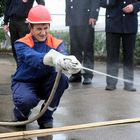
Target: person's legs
[23,28]
[24,98]
[81,40]
[76,50]
[128,53]
[87,41]
[14,36]
[18,29]
[46,120]
[113,48]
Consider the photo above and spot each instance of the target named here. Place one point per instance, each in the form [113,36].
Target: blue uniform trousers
[26,96]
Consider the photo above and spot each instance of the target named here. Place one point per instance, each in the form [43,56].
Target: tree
[2,6]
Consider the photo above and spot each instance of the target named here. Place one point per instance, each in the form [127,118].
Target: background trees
[2,5]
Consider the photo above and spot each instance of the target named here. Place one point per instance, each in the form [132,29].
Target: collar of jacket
[51,41]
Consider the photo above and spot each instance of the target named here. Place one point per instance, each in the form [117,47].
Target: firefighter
[38,54]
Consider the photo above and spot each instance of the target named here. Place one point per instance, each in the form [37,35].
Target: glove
[60,61]
[70,64]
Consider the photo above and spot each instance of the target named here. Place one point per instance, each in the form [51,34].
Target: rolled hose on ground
[42,111]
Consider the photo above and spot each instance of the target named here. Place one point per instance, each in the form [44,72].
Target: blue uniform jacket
[30,60]
[119,22]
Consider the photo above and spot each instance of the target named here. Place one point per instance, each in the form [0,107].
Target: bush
[137,50]
[2,37]
[64,35]
[99,44]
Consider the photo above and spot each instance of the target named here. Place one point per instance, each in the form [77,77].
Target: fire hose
[51,97]
[45,132]
[42,111]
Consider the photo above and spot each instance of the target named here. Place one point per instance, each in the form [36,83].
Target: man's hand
[70,64]
[5,28]
[92,22]
[128,9]
[60,61]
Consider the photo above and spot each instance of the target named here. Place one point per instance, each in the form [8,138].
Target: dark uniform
[78,13]
[121,29]
[15,14]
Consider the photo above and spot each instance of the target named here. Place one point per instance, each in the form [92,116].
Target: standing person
[38,54]
[121,29]
[15,15]
[81,17]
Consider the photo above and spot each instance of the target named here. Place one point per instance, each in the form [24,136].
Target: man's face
[40,31]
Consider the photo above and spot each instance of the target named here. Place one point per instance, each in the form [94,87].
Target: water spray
[101,73]
[52,95]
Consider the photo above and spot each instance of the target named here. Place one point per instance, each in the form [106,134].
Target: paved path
[81,105]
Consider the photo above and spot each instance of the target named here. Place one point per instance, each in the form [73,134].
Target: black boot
[129,88]
[110,87]
[75,78]
[87,81]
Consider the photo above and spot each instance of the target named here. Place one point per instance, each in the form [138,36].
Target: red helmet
[39,14]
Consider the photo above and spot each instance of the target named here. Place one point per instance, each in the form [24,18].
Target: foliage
[2,6]
[99,44]
[64,35]
[137,50]
[2,37]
